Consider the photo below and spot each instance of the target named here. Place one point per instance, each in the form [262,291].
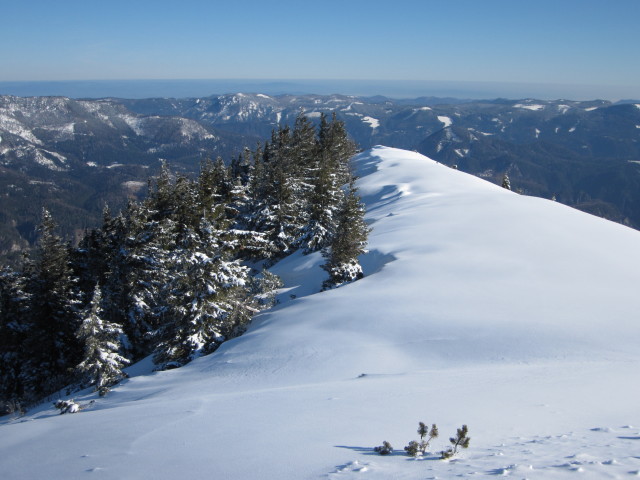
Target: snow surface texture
[514,315]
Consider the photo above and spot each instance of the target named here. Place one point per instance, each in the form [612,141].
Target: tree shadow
[396,453]
[361,450]
[374,261]
[367,450]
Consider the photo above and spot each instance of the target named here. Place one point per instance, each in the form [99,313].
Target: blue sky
[565,42]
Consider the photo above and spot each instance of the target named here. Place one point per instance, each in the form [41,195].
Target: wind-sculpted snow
[514,315]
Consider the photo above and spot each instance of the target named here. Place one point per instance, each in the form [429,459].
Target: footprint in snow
[354,466]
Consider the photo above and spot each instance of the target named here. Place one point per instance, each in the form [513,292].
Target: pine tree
[334,143]
[277,211]
[91,258]
[349,241]
[14,329]
[334,151]
[415,448]
[207,297]
[101,365]
[506,183]
[139,274]
[384,449]
[52,347]
[119,234]
[461,440]
[304,149]
[324,202]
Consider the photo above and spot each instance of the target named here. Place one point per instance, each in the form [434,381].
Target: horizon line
[395,89]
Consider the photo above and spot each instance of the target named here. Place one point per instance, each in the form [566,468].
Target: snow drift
[512,314]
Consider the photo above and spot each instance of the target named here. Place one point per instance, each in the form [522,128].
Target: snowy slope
[512,314]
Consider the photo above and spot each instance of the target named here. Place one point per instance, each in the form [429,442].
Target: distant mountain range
[76,155]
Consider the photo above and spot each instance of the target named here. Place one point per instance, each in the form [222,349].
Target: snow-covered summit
[512,314]
[462,271]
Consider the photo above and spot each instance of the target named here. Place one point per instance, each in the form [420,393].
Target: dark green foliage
[53,315]
[414,448]
[384,449]
[14,330]
[349,241]
[419,448]
[461,440]
[294,190]
[431,434]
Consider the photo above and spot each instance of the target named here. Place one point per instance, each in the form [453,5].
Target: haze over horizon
[401,89]
[575,49]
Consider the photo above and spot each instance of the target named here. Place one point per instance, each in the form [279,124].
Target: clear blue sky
[572,42]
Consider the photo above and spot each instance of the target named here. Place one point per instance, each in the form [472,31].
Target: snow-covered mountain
[75,156]
[583,153]
[514,315]
[51,131]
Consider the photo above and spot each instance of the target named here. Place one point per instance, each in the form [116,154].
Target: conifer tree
[415,448]
[144,268]
[54,314]
[506,183]
[349,241]
[119,234]
[336,145]
[324,202]
[14,329]
[91,258]
[461,440]
[334,151]
[304,149]
[277,211]
[206,296]
[102,363]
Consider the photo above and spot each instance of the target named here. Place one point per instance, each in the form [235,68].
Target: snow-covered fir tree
[102,364]
[279,209]
[204,293]
[349,241]
[324,202]
[506,183]
[335,143]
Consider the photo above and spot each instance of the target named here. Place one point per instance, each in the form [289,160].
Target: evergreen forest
[181,271]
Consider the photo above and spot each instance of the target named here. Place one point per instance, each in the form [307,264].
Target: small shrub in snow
[460,440]
[67,406]
[414,449]
[424,431]
[419,448]
[384,449]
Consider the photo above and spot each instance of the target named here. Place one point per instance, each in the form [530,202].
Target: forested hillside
[180,272]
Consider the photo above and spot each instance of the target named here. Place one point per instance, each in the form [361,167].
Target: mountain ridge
[75,156]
